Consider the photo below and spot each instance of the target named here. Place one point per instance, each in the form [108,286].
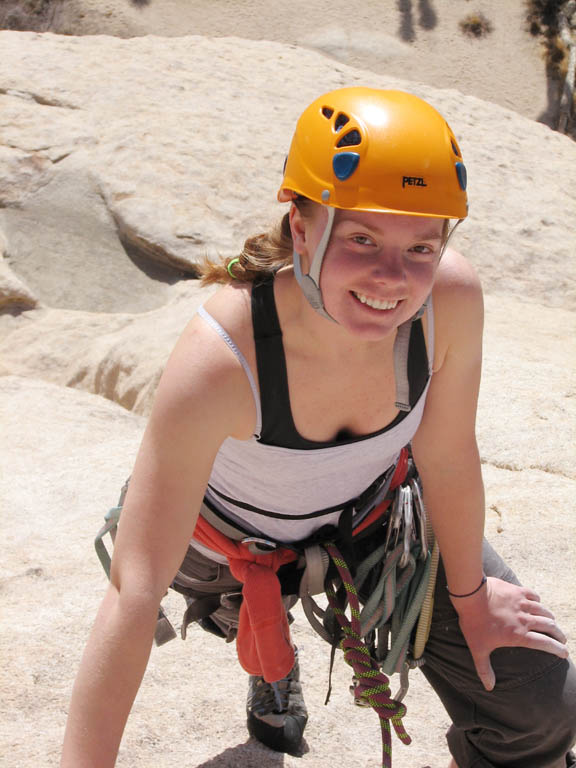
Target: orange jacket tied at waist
[263,641]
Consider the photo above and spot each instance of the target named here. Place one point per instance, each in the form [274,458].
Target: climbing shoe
[277,713]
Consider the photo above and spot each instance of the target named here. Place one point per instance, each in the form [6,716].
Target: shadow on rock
[406,30]
[251,754]
[30,16]
[550,115]
[427,17]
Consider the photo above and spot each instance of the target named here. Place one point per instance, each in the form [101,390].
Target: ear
[298,229]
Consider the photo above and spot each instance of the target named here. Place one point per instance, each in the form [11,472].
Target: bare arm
[203,397]
[445,451]
[445,447]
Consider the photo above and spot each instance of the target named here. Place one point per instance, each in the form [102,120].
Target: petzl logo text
[413,181]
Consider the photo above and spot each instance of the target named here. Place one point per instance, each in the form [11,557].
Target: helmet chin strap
[310,283]
[449,237]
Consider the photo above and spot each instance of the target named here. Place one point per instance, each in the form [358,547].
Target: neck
[304,325]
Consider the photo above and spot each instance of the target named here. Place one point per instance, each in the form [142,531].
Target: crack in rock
[43,100]
[61,157]
[538,468]
[499,527]
[141,250]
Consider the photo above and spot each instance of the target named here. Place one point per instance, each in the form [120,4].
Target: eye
[362,240]
[423,252]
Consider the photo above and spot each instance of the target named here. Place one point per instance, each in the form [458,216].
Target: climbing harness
[386,582]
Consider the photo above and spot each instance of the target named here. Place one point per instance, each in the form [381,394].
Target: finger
[537,609]
[547,626]
[531,595]
[485,672]
[541,642]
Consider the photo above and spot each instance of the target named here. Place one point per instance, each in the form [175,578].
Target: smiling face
[378,268]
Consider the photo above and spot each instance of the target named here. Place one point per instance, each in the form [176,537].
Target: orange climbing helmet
[376,150]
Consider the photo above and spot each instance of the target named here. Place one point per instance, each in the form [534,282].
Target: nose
[389,268]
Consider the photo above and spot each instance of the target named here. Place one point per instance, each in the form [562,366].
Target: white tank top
[249,477]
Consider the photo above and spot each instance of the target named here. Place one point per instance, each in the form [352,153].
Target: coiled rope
[373,685]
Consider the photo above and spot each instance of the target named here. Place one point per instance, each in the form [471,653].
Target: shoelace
[373,685]
[281,705]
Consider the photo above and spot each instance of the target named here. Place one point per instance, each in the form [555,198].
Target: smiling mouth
[375,303]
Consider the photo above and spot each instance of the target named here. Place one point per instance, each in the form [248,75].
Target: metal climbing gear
[372,686]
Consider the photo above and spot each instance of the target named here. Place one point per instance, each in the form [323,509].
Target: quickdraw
[372,684]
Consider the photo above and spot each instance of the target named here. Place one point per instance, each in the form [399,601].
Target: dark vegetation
[476,25]
[26,15]
[543,19]
[554,22]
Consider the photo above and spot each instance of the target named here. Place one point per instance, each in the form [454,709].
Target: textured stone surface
[122,162]
[55,491]
[185,168]
[419,41]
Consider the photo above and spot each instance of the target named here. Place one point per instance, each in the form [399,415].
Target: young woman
[285,410]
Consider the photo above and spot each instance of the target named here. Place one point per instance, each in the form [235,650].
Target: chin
[369,324]
[366,330]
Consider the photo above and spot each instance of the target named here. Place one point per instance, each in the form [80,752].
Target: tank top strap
[207,317]
[271,363]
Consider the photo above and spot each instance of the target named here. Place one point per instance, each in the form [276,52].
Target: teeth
[375,303]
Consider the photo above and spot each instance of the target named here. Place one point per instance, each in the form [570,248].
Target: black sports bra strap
[271,363]
[278,426]
[264,315]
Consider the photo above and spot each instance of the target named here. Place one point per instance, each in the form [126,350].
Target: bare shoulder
[458,305]
[457,276]
[203,367]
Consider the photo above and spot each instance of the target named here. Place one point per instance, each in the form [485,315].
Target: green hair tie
[231,264]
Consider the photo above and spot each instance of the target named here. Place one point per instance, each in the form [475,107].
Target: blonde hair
[262,254]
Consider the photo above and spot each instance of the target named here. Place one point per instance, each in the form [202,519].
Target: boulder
[55,491]
[122,164]
[183,169]
[118,356]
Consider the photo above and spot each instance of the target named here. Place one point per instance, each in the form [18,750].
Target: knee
[553,717]
[532,723]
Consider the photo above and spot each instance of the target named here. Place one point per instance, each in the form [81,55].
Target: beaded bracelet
[469,594]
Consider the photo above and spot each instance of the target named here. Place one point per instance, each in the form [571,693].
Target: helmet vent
[350,139]
[455,148]
[327,112]
[341,121]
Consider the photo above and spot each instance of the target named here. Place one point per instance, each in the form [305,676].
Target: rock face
[122,164]
[68,454]
[183,168]
[422,42]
